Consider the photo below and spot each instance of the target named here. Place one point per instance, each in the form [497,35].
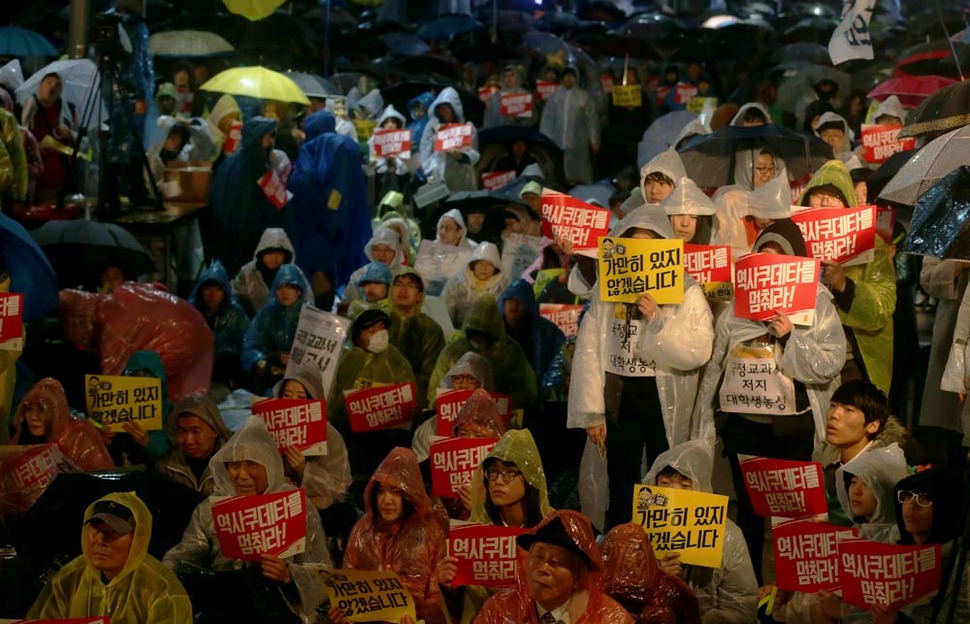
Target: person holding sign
[115,576]
[250,464]
[390,119]
[761,193]
[482,275]
[446,110]
[691,213]
[512,80]
[570,119]
[658,177]
[199,432]
[834,130]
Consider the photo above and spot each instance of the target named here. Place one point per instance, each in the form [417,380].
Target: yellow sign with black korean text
[366,596]
[685,522]
[629,95]
[113,401]
[632,267]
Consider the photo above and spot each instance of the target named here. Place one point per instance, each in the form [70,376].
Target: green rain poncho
[420,339]
[144,592]
[13,159]
[516,447]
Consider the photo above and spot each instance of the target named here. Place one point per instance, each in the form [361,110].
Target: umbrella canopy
[313,85]
[391,69]
[79,250]
[886,171]
[941,221]
[447,26]
[800,79]
[816,29]
[494,143]
[662,134]
[404,43]
[399,94]
[911,90]
[709,159]
[30,271]
[803,52]
[926,59]
[933,161]
[21,42]
[80,84]
[257,82]
[187,43]
[253,10]
[941,112]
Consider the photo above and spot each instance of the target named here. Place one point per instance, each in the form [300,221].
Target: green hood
[833,172]
[485,317]
[515,447]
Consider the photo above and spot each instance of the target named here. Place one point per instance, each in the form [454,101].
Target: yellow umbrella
[253,10]
[257,82]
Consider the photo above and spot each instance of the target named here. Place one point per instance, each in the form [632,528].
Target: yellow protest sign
[629,95]
[696,103]
[366,596]
[114,400]
[682,521]
[365,128]
[631,267]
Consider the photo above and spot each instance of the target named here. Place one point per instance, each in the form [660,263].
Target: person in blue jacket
[266,345]
[213,297]
[538,337]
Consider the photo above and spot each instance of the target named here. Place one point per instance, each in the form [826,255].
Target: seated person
[115,576]
[416,335]
[451,230]
[199,432]
[509,488]
[538,336]
[483,275]
[251,284]
[374,286]
[383,247]
[865,489]
[135,445]
[186,140]
[213,297]
[691,213]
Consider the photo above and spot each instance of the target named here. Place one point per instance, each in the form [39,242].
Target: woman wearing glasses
[509,488]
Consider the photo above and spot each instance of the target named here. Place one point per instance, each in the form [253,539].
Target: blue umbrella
[30,272]
[404,43]
[448,26]
[20,42]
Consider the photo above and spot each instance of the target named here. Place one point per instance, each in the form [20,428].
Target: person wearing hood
[560,576]
[453,164]
[498,496]
[658,177]
[221,118]
[21,177]
[199,432]
[416,335]
[418,108]
[538,336]
[865,295]
[511,85]
[635,370]
[752,114]
[288,136]
[375,286]
[390,119]
[397,532]
[249,464]
[43,416]
[482,275]
[269,337]
[633,578]
[251,284]
[384,247]
[691,213]
[834,130]
[890,112]
[728,594]
[370,106]
[483,333]
[182,140]
[331,214]
[213,297]
[451,230]
[115,576]
[337,106]
[571,121]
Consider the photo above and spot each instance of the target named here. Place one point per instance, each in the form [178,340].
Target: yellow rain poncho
[516,447]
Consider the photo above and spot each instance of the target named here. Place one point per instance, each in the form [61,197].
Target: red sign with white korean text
[382,407]
[486,93]
[565,316]
[845,235]
[274,189]
[23,479]
[233,138]
[684,93]
[779,487]
[881,142]
[710,266]
[487,554]
[449,404]
[766,284]
[516,105]
[885,574]
[296,422]
[564,216]
[807,554]
[261,524]
[497,179]
[545,89]
[390,142]
[453,137]
[11,316]
[454,461]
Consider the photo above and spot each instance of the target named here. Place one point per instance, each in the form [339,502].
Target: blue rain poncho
[274,327]
[545,339]
[230,321]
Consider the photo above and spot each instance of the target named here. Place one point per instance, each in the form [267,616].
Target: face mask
[378,342]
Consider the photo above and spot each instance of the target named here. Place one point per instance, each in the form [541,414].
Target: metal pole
[77,46]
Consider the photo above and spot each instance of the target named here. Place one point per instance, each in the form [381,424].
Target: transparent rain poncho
[880,469]
[688,199]
[516,447]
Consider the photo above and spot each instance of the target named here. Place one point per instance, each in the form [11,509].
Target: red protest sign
[23,479]
[453,137]
[454,461]
[487,554]
[685,92]
[885,574]
[710,266]
[11,316]
[845,235]
[516,105]
[233,138]
[449,404]
[390,142]
[880,142]
[765,284]
[274,189]
[779,487]
[382,407]
[545,89]
[497,179]
[261,524]
[296,422]
[565,316]
[606,81]
[807,554]
[564,216]
[485,93]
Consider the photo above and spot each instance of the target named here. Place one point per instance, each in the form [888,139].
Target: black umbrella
[493,144]
[881,176]
[802,52]
[393,68]
[941,220]
[79,250]
[709,159]
[945,110]
[399,94]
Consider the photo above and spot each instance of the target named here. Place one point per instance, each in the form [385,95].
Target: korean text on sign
[296,422]
[381,407]
[497,179]
[366,596]
[807,554]
[546,89]
[448,405]
[11,316]
[115,400]
[765,284]
[630,267]
[631,95]
[710,266]
[318,345]
[682,521]
[487,554]
[845,235]
[453,137]
[390,142]
[566,217]
[25,478]
[885,574]
[271,524]
[880,142]
[779,487]
[563,315]
[516,105]
[454,461]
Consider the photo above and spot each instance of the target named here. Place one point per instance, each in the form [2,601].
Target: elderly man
[115,576]
[199,431]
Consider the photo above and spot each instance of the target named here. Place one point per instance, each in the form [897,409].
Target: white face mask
[378,342]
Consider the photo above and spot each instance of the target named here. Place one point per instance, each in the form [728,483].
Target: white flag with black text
[851,39]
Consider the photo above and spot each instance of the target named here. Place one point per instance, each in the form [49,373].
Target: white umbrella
[81,84]
[312,85]
[928,166]
[188,43]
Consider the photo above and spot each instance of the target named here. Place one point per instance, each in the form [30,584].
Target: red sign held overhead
[449,404]
[779,487]
[497,179]
[845,235]
[453,137]
[565,316]
[546,89]
[883,574]
[262,524]
[807,554]
[516,105]
[564,216]
[390,142]
[880,142]
[11,316]
[487,554]
[766,284]
[274,189]
[383,407]
[486,93]
[454,461]
[296,422]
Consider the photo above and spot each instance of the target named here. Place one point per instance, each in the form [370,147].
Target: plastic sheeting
[516,447]
[880,469]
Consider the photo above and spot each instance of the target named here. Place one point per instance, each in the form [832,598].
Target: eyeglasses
[765,170]
[923,500]
[508,475]
[821,200]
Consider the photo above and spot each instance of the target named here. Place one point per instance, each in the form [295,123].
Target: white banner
[319,341]
[851,39]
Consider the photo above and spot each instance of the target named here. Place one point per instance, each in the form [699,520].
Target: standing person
[570,120]
[455,166]
[115,576]
[223,115]
[199,432]
[416,335]
[46,114]
[511,85]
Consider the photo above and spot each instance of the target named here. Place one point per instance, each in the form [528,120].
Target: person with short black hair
[416,335]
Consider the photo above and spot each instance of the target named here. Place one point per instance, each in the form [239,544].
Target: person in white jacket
[483,275]
[446,109]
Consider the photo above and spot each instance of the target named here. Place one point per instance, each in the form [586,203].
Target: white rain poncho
[571,121]
[844,151]
[738,119]
[735,202]
[397,165]
[434,163]
[667,163]
[688,199]
[382,236]
[248,286]
[880,469]
[455,215]
[463,288]
[890,106]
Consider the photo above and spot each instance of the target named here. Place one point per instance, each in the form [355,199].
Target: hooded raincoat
[250,286]
[196,149]
[397,165]
[880,469]
[435,165]
[738,119]
[570,119]
[420,340]
[455,214]
[736,202]
[144,592]
[728,594]
[668,163]
[175,465]
[516,447]
[844,151]
[539,338]
[149,364]
[225,105]
[463,288]
[229,323]
[413,546]
[382,236]
[418,123]
[688,199]
[200,545]
[274,327]
[890,106]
